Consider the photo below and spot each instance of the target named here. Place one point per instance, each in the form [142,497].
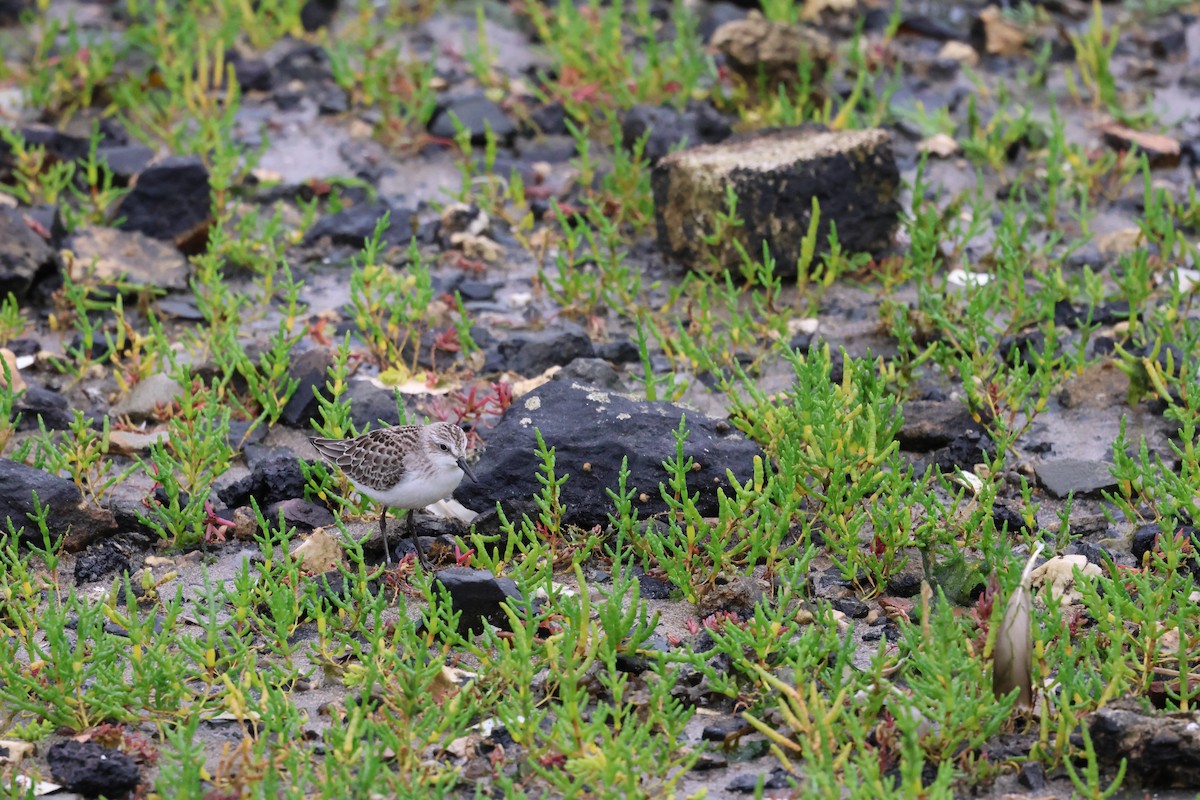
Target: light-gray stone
[1061,478]
[145,397]
[110,254]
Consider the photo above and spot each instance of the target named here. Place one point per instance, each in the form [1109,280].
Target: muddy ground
[1068,445]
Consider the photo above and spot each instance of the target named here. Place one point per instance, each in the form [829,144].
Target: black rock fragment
[666,128]
[272,481]
[92,770]
[316,14]
[99,562]
[170,200]
[25,257]
[69,515]
[40,403]
[477,115]
[372,405]
[533,353]
[311,369]
[478,594]
[353,226]
[302,515]
[778,778]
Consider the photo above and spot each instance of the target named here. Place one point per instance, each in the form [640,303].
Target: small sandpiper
[407,466]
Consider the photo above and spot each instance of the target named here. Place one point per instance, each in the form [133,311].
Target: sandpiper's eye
[444,448]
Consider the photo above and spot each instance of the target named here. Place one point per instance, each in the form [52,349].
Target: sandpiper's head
[446,444]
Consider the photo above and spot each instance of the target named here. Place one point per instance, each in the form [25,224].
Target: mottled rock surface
[851,174]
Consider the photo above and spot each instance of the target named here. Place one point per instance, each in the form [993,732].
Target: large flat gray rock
[1064,476]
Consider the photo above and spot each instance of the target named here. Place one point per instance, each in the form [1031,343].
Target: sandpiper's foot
[426,564]
[412,532]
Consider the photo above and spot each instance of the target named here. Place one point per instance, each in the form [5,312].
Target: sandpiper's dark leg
[412,531]
[387,556]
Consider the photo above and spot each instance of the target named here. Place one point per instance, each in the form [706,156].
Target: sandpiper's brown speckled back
[380,458]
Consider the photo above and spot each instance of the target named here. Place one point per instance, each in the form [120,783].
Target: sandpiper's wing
[375,459]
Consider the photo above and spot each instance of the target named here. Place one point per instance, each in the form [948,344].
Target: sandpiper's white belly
[416,490]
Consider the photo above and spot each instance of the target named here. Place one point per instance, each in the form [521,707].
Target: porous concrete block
[776,175]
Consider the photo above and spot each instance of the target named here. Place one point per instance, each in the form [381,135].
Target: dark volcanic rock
[532,354]
[478,594]
[714,15]
[747,783]
[317,14]
[40,403]
[929,28]
[293,60]
[851,174]
[906,582]
[1094,553]
[550,119]
[666,128]
[57,144]
[92,770]
[70,515]
[969,448]
[252,74]
[618,351]
[476,114]
[337,586]
[11,10]
[271,481]
[591,430]
[651,588]
[180,308]
[46,219]
[25,346]
[300,514]
[1032,776]
[170,200]
[99,562]
[1146,538]
[722,728]
[1008,515]
[355,225]
[930,424]
[1162,750]
[332,99]
[850,606]
[592,371]
[372,405]
[311,368]
[241,436]
[634,661]
[477,290]
[25,257]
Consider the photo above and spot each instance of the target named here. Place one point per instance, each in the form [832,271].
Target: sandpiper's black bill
[465,467]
